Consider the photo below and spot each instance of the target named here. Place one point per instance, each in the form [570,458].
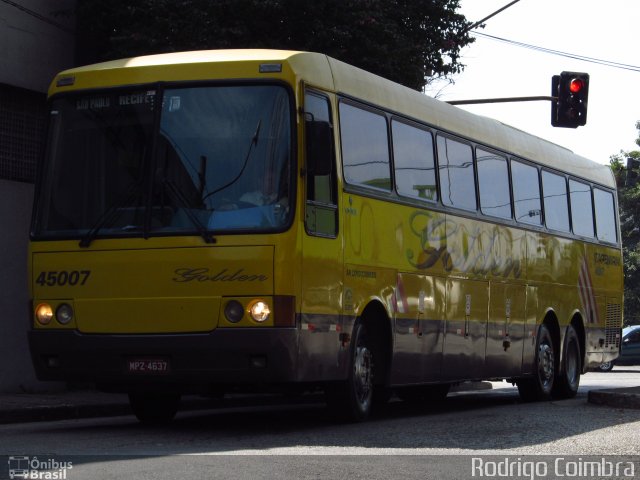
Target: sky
[606,30]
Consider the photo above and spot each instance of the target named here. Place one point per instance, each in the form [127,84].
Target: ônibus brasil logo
[34,468]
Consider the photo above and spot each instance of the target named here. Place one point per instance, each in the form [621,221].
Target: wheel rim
[605,366]
[363,375]
[546,365]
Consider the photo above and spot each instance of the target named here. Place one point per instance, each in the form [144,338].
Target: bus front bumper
[238,356]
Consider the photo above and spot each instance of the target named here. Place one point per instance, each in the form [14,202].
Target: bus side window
[581,208]
[556,208]
[365,147]
[493,184]
[321,214]
[414,162]
[457,182]
[526,193]
[605,216]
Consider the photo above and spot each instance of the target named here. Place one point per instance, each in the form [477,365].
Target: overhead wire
[608,63]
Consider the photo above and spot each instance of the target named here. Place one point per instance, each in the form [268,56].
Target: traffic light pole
[569,93]
[502,100]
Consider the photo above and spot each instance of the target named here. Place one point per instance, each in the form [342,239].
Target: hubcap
[546,364]
[363,374]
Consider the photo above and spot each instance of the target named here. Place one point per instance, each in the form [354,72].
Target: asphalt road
[303,441]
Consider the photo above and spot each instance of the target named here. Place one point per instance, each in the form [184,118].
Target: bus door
[418,329]
[466,329]
[505,331]
[322,251]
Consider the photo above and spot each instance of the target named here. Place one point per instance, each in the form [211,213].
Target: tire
[568,379]
[540,386]
[353,398]
[604,367]
[154,408]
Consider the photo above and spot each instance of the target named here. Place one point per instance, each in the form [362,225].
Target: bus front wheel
[353,398]
[152,408]
[540,385]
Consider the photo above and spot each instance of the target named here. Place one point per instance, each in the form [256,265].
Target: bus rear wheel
[353,398]
[153,408]
[540,386]
[570,368]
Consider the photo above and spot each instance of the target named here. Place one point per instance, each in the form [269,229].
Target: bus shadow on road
[473,421]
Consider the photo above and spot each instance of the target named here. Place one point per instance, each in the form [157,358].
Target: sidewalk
[28,407]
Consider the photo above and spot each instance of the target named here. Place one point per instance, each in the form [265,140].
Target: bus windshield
[153,161]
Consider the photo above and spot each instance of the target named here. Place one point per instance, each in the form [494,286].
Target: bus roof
[328,73]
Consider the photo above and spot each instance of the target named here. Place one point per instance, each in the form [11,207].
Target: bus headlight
[64,313]
[233,311]
[259,311]
[44,313]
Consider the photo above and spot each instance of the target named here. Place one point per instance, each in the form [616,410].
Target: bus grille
[613,325]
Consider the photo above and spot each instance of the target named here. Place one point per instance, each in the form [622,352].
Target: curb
[616,397]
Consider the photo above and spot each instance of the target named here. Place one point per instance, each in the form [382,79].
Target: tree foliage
[628,181]
[407,41]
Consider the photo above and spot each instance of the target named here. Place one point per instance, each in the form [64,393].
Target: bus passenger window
[581,208]
[605,216]
[526,193]
[457,183]
[556,209]
[493,182]
[414,162]
[365,147]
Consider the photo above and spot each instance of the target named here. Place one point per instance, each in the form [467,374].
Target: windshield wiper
[252,144]
[179,197]
[109,215]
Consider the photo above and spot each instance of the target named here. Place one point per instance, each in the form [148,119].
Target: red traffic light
[570,91]
[575,85]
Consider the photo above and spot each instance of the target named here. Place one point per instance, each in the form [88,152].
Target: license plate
[147,365]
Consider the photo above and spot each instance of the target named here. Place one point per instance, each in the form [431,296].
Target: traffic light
[633,166]
[571,90]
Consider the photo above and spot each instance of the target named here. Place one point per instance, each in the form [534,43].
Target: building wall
[16,372]
[22,131]
[36,40]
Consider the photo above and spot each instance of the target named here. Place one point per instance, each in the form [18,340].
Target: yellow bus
[251,220]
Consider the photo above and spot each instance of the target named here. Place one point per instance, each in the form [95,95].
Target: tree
[407,41]
[629,204]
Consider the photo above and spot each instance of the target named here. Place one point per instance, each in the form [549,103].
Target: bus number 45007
[63,277]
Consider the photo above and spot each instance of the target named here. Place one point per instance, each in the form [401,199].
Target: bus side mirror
[319,148]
